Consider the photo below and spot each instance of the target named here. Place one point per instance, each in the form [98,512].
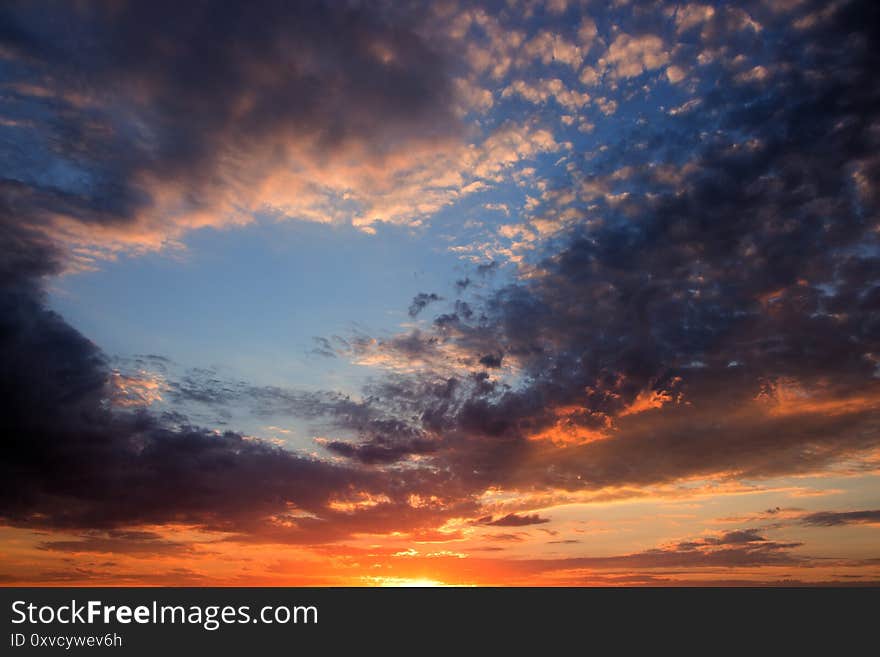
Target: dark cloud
[323,347]
[491,361]
[514,520]
[100,573]
[420,301]
[725,325]
[381,449]
[452,321]
[132,98]
[75,462]
[122,100]
[505,538]
[738,537]
[119,542]
[696,553]
[835,518]
[660,564]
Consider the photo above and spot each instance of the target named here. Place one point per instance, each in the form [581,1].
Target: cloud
[148,124]
[744,549]
[514,520]
[492,361]
[540,91]
[549,48]
[836,518]
[505,538]
[420,301]
[692,15]
[717,323]
[321,112]
[751,551]
[76,460]
[135,543]
[629,55]
[381,449]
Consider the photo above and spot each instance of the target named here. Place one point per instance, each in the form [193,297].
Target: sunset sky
[515,293]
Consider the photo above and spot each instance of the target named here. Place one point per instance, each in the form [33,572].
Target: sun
[406,582]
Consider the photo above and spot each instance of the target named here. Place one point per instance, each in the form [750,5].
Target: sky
[448,293]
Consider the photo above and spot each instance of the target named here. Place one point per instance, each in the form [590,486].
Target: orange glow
[408,582]
[141,389]
[361,501]
[788,397]
[566,433]
[234,564]
[647,400]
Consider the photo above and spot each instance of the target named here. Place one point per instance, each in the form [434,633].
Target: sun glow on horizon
[408,582]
